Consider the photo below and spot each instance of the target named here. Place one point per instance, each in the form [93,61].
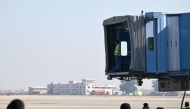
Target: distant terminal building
[86,87]
[37,90]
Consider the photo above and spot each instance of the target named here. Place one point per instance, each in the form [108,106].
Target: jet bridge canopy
[132,30]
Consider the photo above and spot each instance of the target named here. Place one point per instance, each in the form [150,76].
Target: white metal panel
[172,27]
[123,48]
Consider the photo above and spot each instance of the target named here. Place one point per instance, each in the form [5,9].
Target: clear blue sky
[43,41]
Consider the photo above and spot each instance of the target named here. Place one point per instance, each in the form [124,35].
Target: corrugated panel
[172,27]
[137,40]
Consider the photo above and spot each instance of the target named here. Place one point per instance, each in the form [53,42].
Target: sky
[43,41]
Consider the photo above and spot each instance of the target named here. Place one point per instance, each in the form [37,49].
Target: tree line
[128,87]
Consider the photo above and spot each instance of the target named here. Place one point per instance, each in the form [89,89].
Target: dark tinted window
[151,43]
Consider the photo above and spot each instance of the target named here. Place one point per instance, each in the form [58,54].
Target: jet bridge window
[151,43]
[123,48]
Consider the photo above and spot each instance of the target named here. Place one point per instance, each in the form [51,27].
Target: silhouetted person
[186,105]
[159,108]
[125,106]
[16,104]
[145,106]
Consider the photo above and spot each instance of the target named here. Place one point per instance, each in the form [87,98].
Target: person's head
[125,106]
[186,104]
[145,105]
[16,104]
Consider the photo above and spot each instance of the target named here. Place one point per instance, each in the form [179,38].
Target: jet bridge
[154,45]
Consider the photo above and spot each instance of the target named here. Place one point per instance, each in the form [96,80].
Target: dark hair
[125,106]
[186,104]
[145,105]
[16,104]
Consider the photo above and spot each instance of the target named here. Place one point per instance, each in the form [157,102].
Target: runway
[91,102]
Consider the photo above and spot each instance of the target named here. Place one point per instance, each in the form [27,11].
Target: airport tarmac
[91,102]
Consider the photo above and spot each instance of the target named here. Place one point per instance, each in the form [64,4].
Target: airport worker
[145,106]
[16,104]
[117,51]
[117,54]
[186,105]
[125,106]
